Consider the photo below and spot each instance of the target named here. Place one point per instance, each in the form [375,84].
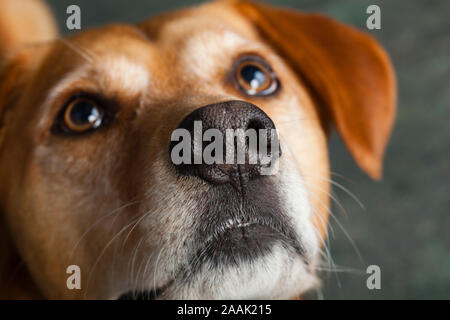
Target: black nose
[249,143]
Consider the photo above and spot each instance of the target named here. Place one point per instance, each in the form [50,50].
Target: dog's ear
[347,72]
[23,26]
[25,21]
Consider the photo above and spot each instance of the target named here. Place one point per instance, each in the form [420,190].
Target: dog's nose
[231,142]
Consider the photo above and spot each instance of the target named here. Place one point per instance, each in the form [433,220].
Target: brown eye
[255,77]
[81,115]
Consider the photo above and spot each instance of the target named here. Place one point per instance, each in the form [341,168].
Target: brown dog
[86,173]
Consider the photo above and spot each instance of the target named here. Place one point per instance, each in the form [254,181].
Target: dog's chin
[277,272]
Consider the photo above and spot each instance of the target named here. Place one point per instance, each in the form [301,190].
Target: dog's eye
[255,77]
[81,115]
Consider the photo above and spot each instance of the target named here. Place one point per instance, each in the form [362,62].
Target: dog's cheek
[62,195]
[303,141]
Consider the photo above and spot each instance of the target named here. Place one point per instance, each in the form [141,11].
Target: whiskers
[327,264]
[84,53]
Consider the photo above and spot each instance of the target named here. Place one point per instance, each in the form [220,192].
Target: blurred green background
[405,227]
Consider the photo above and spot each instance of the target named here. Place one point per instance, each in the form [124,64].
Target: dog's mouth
[229,236]
[232,243]
[239,240]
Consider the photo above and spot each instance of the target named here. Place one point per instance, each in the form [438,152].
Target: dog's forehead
[213,22]
[199,38]
[218,16]
[189,42]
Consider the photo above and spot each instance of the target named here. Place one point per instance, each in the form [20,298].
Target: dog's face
[87,176]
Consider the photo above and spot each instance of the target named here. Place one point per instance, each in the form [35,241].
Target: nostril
[256,124]
[263,127]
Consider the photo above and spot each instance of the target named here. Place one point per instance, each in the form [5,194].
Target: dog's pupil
[84,112]
[254,76]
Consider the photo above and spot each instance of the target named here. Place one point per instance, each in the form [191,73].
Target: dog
[86,137]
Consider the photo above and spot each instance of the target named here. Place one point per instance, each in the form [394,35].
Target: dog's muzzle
[240,215]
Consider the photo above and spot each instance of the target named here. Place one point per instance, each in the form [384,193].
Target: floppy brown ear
[22,24]
[25,21]
[347,72]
